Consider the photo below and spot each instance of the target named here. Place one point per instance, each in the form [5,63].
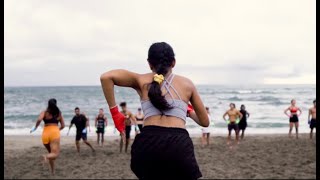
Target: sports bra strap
[167,85]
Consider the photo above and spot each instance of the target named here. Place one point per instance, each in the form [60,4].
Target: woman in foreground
[51,131]
[163,149]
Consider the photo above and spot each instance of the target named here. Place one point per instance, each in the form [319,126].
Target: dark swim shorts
[81,135]
[294,119]
[233,125]
[242,125]
[128,130]
[100,130]
[313,123]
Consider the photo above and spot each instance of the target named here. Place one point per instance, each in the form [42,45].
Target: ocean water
[265,103]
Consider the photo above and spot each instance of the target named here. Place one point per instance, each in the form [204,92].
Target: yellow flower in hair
[158,78]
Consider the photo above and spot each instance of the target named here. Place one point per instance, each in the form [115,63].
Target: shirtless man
[312,122]
[234,118]
[130,119]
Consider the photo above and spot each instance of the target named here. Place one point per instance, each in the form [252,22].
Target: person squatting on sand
[100,123]
[81,122]
[312,113]
[139,117]
[206,131]
[51,132]
[243,120]
[130,119]
[163,149]
[293,117]
[234,118]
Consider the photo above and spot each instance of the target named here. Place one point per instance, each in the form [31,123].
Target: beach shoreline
[257,156]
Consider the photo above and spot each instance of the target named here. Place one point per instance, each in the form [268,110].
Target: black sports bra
[139,119]
[53,120]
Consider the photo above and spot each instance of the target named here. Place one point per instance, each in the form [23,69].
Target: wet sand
[256,157]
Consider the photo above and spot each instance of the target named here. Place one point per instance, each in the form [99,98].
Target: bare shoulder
[184,81]
[60,116]
[148,77]
[144,79]
[130,113]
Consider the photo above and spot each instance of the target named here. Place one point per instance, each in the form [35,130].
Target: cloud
[249,39]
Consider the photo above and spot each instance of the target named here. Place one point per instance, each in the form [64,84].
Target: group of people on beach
[238,119]
[162,147]
[294,117]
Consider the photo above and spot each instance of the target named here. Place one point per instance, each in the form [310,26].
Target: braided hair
[161,57]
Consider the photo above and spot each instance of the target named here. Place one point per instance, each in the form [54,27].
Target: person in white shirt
[206,131]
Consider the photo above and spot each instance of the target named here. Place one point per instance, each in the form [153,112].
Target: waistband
[232,123]
[51,126]
[161,130]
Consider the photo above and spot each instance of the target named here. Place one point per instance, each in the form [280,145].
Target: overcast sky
[215,41]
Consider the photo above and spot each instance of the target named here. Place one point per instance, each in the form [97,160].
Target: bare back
[48,116]
[140,82]
[127,115]
[183,87]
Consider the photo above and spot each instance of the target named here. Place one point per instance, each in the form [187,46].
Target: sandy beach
[261,156]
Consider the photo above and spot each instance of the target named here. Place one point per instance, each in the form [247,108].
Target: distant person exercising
[51,132]
[293,117]
[129,120]
[100,123]
[206,131]
[81,122]
[234,118]
[243,121]
[312,113]
[139,117]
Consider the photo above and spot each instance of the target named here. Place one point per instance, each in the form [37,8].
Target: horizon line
[195,84]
